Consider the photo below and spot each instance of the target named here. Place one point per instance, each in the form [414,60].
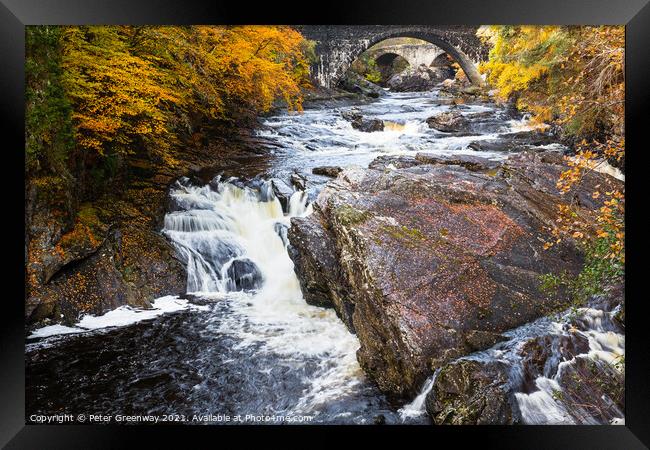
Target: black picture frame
[15,14]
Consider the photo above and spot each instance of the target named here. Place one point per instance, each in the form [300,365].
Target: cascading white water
[416,407]
[542,406]
[220,224]
[230,237]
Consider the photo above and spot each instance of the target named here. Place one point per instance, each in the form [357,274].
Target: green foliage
[367,68]
[373,74]
[48,125]
[309,51]
[599,271]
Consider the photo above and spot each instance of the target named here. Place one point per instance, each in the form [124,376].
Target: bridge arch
[390,62]
[338,46]
[463,60]
[441,60]
[416,53]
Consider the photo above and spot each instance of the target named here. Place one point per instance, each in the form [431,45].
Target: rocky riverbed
[363,263]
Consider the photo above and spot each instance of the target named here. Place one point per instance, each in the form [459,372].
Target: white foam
[275,318]
[601,166]
[416,407]
[122,316]
[541,407]
[53,330]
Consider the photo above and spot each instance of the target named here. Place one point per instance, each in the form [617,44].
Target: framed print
[385,220]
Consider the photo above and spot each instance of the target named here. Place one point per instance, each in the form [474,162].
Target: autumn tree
[572,78]
[138,89]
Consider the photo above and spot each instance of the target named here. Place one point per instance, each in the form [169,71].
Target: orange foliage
[130,85]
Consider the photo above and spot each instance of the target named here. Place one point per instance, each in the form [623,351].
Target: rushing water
[539,399]
[245,342]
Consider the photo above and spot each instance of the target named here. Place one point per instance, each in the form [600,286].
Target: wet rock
[245,275]
[418,79]
[592,389]
[386,162]
[461,89]
[473,163]
[360,123]
[299,181]
[541,357]
[131,271]
[472,90]
[512,111]
[476,340]
[511,142]
[282,190]
[434,260]
[369,125]
[448,122]
[328,171]
[469,392]
[619,317]
[494,145]
[315,259]
[353,82]
[612,297]
[216,253]
[282,229]
[531,137]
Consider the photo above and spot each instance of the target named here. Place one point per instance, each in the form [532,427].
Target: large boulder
[449,122]
[361,123]
[427,262]
[355,83]
[418,79]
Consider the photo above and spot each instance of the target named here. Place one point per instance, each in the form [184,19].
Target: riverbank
[112,253]
[114,114]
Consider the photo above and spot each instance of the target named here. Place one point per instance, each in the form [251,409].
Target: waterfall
[233,238]
[417,407]
[247,342]
[606,345]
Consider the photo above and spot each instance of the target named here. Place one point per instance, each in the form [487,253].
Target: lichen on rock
[432,260]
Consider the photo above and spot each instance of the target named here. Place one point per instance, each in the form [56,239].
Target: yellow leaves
[572,75]
[512,76]
[131,84]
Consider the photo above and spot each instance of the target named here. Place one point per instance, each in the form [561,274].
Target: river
[245,344]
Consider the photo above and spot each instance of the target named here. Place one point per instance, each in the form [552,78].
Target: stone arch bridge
[415,54]
[337,46]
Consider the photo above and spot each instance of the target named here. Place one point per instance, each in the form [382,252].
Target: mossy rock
[347,216]
[469,392]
